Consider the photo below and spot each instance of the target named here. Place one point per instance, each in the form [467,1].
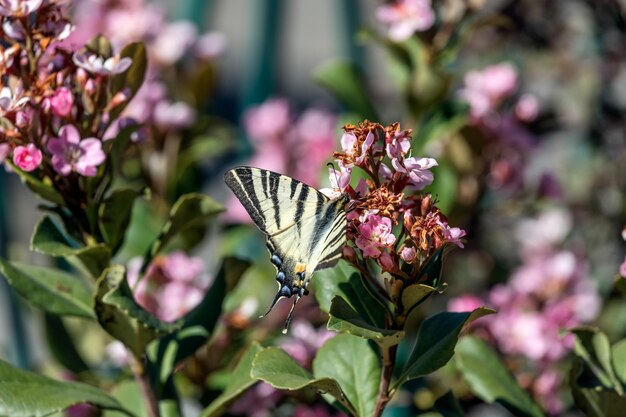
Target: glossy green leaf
[445,186]
[594,348]
[591,397]
[448,406]
[199,323]
[191,211]
[277,368]
[344,319]
[128,393]
[26,394]
[490,380]
[131,79]
[50,239]
[239,381]
[431,272]
[415,294]
[344,80]
[61,345]
[436,339]
[114,216]
[619,360]
[121,316]
[355,365]
[52,290]
[343,281]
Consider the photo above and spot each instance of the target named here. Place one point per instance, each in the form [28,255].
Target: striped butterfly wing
[305,229]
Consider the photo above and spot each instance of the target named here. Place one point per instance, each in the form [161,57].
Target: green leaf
[344,80]
[128,393]
[448,406]
[277,368]
[100,45]
[436,339]
[133,77]
[191,211]
[114,214]
[414,295]
[490,380]
[344,319]
[353,363]
[26,394]
[199,323]
[444,188]
[50,239]
[52,290]
[43,189]
[239,381]
[431,272]
[62,346]
[593,399]
[594,348]
[121,316]
[343,281]
[619,360]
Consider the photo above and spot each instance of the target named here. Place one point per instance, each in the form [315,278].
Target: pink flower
[210,45]
[180,267]
[622,268]
[61,102]
[173,42]
[176,299]
[453,235]
[304,340]
[18,8]
[339,181]
[527,108]
[268,120]
[408,254]
[27,158]
[101,66]
[485,90]
[406,17]
[5,151]
[418,171]
[177,115]
[375,233]
[70,153]
[12,99]
[465,303]
[399,144]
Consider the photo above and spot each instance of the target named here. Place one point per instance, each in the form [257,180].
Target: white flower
[98,65]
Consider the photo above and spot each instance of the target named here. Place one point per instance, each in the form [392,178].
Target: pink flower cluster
[297,146]
[172,286]
[549,292]
[485,90]
[405,17]
[384,199]
[48,103]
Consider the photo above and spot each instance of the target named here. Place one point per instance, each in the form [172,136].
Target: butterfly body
[305,229]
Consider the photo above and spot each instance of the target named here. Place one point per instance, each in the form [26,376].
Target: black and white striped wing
[305,229]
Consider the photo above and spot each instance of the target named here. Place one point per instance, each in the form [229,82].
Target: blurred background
[521,102]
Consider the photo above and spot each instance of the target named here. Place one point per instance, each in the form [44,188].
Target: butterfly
[305,229]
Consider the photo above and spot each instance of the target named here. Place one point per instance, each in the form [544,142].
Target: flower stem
[150,400]
[384,395]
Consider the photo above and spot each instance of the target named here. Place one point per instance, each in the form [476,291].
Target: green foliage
[114,216]
[344,319]
[128,393]
[277,368]
[62,346]
[42,188]
[598,377]
[131,79]
[52,290]
[344,80]
[26,394]
[121,316]
[490,380]
[436,340]
[50,239]
[354,364]
[240,379]
[448,406]
[189,215]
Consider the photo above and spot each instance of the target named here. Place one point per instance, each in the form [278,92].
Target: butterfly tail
[288,321]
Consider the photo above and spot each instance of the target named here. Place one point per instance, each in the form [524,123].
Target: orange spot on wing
[300,268]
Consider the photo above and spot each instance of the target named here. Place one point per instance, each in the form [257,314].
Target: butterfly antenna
[288,321]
